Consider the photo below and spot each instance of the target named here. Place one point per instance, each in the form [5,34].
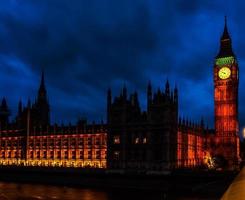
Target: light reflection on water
[28,191]
[16,191]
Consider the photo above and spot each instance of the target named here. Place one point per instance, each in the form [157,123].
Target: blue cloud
[87,46]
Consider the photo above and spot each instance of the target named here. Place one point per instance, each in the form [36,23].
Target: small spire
[124,91]
[167,90]
[109,96]
[225,35]
[149,85]
[149,93]
[29,103]
[42,81]
[20,107]
[136,101]
[202,122]
[175,93]
[42,88]
[4,103]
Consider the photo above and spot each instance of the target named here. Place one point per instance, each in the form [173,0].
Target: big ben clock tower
[226,102]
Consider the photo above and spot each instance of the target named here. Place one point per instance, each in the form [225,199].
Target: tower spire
[42,79]
[225,43]
[42,89]
[225,32]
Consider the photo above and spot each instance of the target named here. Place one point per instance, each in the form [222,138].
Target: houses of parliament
[155,139]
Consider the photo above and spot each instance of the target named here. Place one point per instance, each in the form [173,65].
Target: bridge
[236,190]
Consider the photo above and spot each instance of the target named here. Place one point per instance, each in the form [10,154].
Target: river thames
[18,191]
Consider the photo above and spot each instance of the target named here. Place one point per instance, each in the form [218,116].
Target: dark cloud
[87,46]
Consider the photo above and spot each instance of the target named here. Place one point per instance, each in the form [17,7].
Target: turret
[175,94]
[149,94]
[108,104]
[124,93]
[41,107]
[20,108]
[4,113]
[167,88]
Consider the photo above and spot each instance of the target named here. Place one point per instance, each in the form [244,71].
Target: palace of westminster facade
[154,139]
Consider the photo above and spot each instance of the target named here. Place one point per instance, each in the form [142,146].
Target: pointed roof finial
[225,35]
[225,43]
[29,103]
[42,89]
[42,79]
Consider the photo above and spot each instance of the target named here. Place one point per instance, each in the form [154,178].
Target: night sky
[87,46]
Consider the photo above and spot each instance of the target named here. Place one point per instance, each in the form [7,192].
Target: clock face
[224,73]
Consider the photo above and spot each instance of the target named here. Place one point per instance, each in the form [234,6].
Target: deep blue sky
[87,46]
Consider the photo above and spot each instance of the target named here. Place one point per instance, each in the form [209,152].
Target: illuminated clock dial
[224,73]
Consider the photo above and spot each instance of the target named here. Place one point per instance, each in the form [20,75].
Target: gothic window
[51,154]
[89,154]
[97,141]
[65,142]
[80,143]
[16,154]
[58,143]
[89,141]
[81,155]
[44,154]
[66,154]
[38,154]
[144,140]
[116,139]
[73,142]
[73,155]
[97,154]
[31,155]
[116,155]
[59,154]
[137,140]
[51,143]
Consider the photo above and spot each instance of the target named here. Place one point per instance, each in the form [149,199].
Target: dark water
[29,191]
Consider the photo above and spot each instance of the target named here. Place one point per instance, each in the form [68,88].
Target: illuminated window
[51,154]
[66,155]
[81,142]
[89,154]
[116,155]
[81,155]
[97,141]
[73,155]
[97,154]
[116,139]
[89,141]
[137,140]
[38,154]
[31,154]
[59,155]
[44,154]
[144,140]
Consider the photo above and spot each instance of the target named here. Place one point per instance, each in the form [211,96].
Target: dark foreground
[90,184]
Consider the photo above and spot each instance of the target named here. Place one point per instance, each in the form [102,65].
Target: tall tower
[226,101]
[4,114]
[41,107]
